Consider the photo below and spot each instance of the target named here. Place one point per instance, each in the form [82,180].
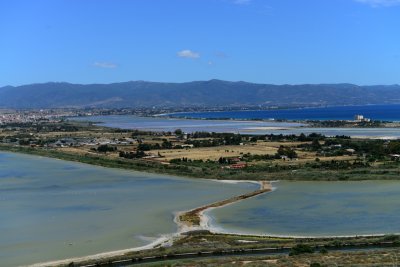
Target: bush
[106,148]
[323,251]
[301,249]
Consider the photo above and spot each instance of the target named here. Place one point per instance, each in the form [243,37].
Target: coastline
[183,228]
[284,108]
[196,219]
[164,240]
[105,255]
[289,127]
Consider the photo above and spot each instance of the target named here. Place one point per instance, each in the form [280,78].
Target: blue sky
[263,41]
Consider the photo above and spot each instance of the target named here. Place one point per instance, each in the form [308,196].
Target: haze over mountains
[192,94]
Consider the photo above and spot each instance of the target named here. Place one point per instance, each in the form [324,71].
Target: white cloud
[380,3]
[188,54]
[242,2]
[106,65]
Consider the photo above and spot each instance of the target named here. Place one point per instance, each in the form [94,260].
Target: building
[358,117]
[239,165]
[361,118]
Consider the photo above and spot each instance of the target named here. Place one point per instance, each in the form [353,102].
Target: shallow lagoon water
[378,133]
[159,124]
[52,209]
[315,209]
[231,126]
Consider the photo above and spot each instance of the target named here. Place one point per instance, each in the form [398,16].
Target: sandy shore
[203,223]
[105,255]
[166,240]
[197,220]
[205,219]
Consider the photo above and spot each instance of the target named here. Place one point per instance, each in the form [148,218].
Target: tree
[178,132]
[106,148]
[144,147]
[286,151]
[166,144]
[315,145]
[301,249]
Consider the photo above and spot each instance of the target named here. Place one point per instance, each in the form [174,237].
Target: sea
[374,112]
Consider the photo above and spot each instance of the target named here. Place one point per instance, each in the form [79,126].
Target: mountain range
[211,93]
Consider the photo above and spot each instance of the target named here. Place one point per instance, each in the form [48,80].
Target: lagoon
[315,209]
[164,124]
[53,209]
[160,124]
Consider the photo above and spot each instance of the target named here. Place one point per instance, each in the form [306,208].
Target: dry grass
[214,153]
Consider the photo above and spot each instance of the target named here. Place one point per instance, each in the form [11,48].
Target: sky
[261,41]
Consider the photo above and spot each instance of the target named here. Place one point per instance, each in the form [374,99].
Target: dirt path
[193,219]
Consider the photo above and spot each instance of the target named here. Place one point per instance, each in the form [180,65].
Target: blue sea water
[375,112]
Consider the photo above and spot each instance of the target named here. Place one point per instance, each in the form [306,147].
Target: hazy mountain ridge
[197,93]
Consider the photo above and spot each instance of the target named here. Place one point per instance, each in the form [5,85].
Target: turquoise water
[52,209]
[316,209]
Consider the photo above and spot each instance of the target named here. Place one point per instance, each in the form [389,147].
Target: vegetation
[303,157]
[234,250]
[290,157]
[301,249]
[346,124]
[106,148]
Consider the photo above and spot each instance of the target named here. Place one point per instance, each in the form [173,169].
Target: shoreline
[297,124]
[196,219]
[183,227]
[159,242]
[272,120]
[104,255]
[166,239]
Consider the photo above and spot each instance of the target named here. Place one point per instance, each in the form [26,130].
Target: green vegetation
[203,246]
[290,157]
[358,169]
[301,249]
[303,157]
[346,124]
[105,148]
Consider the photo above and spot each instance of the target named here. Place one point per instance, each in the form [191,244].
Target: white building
[358,117]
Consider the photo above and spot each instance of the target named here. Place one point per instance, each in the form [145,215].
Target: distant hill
[199,93]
